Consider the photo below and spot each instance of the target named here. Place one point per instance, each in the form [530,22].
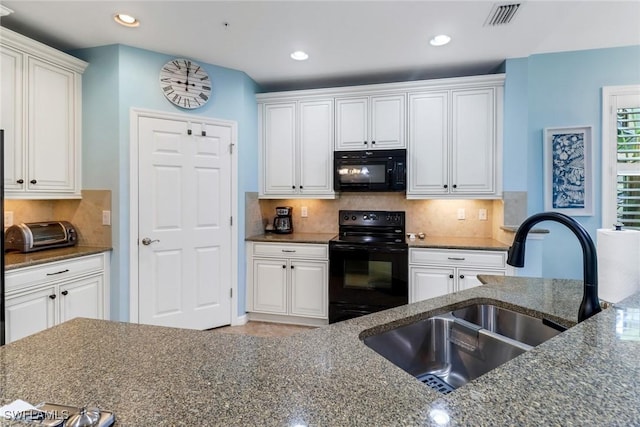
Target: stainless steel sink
[517,326]
[449,350]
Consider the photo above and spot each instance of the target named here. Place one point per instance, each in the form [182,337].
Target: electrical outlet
[303,212]
[8,218]
[106,217]
[461,214]
[482,214]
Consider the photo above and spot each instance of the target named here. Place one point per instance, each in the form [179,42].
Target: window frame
[610,150]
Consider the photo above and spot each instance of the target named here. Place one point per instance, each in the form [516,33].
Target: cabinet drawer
[490,259]
[295,250]
[53,271]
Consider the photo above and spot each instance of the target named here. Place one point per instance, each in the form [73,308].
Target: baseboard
[240,320]
[291,320]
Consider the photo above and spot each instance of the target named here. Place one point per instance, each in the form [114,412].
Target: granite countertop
[152,375]
[15,260]
[483,243]
[292,238]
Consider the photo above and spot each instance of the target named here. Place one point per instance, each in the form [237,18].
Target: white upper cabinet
[370,122]
[296,149]
[41,114]
[455,142]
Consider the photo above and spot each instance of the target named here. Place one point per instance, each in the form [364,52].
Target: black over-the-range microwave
[370,170]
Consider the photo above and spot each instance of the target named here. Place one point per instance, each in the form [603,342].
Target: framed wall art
[568,170]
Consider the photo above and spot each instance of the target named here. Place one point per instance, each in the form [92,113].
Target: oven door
[367,278]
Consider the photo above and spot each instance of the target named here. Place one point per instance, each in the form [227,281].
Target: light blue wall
[120,78]
[556,90]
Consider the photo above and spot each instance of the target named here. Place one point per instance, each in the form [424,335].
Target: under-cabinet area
[41,296]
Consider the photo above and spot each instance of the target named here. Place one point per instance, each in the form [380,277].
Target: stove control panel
[372,218]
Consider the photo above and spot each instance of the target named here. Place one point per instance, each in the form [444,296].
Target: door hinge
[230,220]
[230,292]
[231,148]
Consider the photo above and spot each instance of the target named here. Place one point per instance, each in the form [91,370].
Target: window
[621,156]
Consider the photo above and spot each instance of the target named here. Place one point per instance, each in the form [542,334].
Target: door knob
[147,241]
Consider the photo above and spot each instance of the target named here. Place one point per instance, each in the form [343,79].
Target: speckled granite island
[588,375]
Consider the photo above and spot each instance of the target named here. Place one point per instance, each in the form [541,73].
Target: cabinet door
[473,142]
[387,122]
[315,147]
[309,288]
[51,124]
[30,312]
[11,107]
[467,278]
[278,149]
[430,282]
[428,144]
[82,298]
[270,285]
[352,123]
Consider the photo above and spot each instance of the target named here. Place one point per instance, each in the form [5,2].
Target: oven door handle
[371,249]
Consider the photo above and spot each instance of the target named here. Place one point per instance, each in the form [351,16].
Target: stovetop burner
[371,227]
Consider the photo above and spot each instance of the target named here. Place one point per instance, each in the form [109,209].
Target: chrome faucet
[590,304]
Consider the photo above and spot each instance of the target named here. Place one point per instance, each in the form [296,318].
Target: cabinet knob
[455,186]
[451,276]
[204,133]
[365,143]
[445,186]
[20,181]
[462,276]
[284,266]
[52,296]
[293,186]
[64,292]
[33,181]
[373,142]
[292,267]
[301,187]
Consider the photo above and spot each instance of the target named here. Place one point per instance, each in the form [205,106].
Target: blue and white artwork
[568,171]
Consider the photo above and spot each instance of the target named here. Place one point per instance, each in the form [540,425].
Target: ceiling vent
[502,14]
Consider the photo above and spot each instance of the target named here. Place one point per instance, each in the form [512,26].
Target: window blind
[628,167]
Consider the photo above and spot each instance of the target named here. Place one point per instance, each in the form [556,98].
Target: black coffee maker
[282,223]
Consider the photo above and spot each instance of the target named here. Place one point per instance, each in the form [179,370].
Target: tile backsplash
[432,217]
[85,214]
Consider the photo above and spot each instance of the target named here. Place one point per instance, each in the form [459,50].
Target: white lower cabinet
[45,295]
[288,282]
[436,272]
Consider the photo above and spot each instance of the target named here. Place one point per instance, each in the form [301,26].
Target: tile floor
[263,329]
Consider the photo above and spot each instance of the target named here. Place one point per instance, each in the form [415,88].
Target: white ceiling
[347,41]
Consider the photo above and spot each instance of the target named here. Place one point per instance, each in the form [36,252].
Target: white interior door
[184,212]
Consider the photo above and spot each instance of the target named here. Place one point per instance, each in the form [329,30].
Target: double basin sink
[448,350]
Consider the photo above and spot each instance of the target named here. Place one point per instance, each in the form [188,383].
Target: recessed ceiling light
[440,40]
[299,55]
[126,20]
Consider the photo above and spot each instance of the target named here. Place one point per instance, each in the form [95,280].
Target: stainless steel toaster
[35,236]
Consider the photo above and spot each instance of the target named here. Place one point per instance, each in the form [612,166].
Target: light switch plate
[482,214]
[106,217]
[303,212]
[8,218]
[461,214]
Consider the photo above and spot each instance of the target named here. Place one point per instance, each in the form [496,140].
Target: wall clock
[185,83]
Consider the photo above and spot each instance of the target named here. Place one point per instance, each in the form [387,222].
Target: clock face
[185,83]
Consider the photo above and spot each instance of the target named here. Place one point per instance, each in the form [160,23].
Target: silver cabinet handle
[455,258]
[147,241]
[288,250]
